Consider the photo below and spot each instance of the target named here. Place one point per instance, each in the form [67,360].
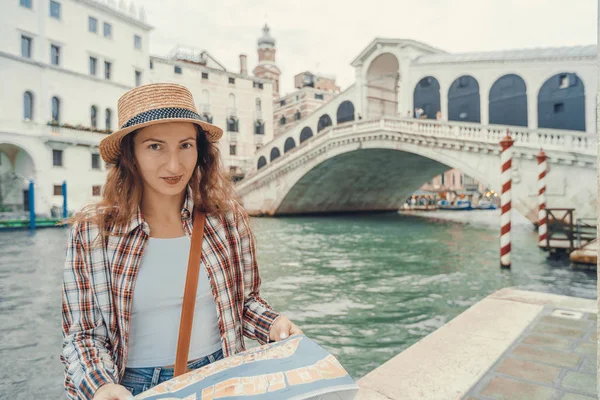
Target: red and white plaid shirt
[98,283]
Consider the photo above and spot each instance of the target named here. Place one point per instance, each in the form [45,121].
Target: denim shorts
[138,380]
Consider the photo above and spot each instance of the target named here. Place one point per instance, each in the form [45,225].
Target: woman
[127,255]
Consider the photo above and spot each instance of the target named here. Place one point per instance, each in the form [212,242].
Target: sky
[324,36]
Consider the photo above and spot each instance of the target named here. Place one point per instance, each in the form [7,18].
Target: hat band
[161,113]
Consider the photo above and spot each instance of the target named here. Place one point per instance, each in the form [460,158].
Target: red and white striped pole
[505,200]
[542,221]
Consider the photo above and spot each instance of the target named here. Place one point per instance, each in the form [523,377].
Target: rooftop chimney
[243,64]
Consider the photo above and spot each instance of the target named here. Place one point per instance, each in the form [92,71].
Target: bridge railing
[535,138]
[547,139]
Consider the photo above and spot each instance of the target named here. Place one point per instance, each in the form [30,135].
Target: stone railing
[72,136]
[555,139]
[583,143]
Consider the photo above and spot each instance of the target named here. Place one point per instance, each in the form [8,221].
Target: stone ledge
[448,362]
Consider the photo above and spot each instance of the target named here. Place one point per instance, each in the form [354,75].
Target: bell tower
[266,67]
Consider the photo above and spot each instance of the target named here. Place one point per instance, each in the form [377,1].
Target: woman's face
[166,156]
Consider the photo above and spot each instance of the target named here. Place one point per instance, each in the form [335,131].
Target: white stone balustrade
[548,139]
[72,136]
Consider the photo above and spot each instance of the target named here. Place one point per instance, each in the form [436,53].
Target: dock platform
[587,254]
[513,344]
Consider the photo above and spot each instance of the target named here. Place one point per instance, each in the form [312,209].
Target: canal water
[365,287]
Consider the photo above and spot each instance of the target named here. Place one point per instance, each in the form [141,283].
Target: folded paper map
[296,368]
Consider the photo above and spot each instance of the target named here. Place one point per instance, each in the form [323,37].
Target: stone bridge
[375,165]
[362,152]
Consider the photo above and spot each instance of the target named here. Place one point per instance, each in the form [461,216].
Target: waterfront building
[239,103]
[63,66]
[312,92]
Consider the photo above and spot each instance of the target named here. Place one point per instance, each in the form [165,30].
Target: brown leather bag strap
[189,295]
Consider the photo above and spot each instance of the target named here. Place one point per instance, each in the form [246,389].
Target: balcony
[232,112]
[233,137]
[258,115]
[259,139]
[73,135]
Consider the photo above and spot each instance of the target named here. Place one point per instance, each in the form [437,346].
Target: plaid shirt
[98,290]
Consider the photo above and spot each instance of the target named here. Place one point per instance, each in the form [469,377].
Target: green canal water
[365,287]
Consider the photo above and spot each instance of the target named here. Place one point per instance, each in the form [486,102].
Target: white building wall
[71,83]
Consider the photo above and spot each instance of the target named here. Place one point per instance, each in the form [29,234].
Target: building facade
[313,91]
[63,66]
[239,103]
[454,181]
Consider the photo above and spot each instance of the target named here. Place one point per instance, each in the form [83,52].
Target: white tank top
[157,302]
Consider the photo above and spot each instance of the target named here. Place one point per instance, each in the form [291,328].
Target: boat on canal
[486,205]
[466,205]
[460,205]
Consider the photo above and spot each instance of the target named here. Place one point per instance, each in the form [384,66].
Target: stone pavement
[554,359]
[514,344]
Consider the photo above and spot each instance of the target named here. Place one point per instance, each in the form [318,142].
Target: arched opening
[382,86]
[28,106]
[289,144]
[94,117]
[274,153]
[108,120]
[259,127]
[463,100]
[305,134]
[345,112]
[427,97]
[56,109]
[16,168]
[508,101]
[232,124]
[561,103]
[324,122]
[262,161]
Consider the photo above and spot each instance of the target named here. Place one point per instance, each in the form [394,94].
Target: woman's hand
[282,328]
[112,391]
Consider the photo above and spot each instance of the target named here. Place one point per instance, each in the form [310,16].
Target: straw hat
[153,104]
